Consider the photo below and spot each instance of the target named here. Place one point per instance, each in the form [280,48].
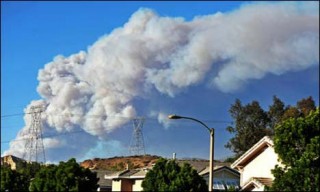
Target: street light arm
[193,119]
[211,131]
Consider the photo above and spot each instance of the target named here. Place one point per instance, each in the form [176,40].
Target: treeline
[67,176]
[252,122]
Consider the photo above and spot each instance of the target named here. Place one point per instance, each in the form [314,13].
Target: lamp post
[211,131]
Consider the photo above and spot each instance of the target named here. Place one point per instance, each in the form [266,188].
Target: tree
[291,112]
[302,109]
[12,180]
[297,143]
[251,125]
[45,179]
[306,105]
[252,122]
[276,112]
[29,170]
[167,175]
[67,176]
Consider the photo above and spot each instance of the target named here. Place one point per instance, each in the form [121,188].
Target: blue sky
[34,33]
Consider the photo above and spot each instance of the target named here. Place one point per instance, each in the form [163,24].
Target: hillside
[13,162]
[120,163]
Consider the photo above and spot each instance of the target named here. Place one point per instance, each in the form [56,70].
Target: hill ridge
[118,163]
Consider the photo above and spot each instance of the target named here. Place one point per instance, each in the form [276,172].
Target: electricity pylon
[34,144]
[137,143]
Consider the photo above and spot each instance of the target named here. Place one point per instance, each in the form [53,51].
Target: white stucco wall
[137,185]
[116,185]
[260,166]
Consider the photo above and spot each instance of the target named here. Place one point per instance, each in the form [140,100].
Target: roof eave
[255,148]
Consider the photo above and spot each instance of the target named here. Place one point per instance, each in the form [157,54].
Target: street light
[211,131]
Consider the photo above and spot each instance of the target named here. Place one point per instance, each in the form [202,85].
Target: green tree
[67,176]
[276,112]
[302,108]
[29,170]
[305,106]
[297,143]
[12,180]
[291,112]
[167,175]
[251,124]
[45,179]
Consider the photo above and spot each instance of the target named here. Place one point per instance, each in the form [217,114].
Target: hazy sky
[94,66]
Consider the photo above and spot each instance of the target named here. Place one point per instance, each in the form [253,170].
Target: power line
[101,116]
[46,136]
[73,132]
[108,116]
[56,135]
[155,121]
[12,115]
[150,119]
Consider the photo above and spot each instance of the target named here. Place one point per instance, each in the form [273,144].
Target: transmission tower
[34,148]
[137,143]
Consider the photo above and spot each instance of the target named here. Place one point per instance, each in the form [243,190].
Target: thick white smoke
[94,90]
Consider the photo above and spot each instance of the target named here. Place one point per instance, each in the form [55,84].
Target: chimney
[174,156]
[127,166]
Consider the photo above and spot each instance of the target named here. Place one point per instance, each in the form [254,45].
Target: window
[218,185]
[233,184]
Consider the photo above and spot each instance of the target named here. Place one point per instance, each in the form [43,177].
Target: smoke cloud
[95,90]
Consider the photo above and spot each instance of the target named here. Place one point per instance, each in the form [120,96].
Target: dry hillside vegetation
[120,163]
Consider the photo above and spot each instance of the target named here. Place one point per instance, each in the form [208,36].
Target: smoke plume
[95,90]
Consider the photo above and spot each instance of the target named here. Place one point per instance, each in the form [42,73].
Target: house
[131,180]
[197,164]
[224,177]
[103,184]
[127,180]
[256,164]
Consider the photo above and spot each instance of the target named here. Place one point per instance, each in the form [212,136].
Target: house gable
[256,164]
[224,177]
[221,171]
[227,172]
[252,153]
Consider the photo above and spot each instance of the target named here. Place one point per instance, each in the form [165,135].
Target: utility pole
[34,144]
